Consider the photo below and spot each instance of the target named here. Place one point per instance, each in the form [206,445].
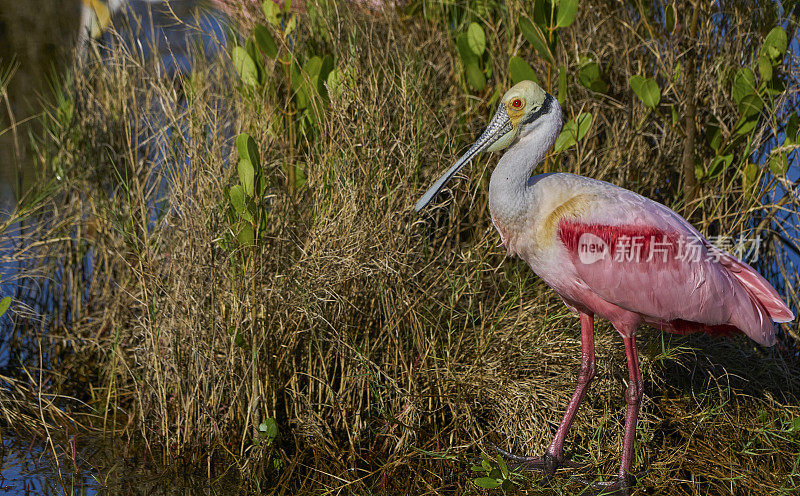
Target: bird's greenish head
[520,102]
[521,105]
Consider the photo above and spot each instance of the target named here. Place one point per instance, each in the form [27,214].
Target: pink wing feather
[710,292]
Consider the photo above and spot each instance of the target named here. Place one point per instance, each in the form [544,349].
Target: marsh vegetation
[223,274]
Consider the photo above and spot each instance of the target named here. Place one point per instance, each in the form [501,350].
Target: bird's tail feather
[760,290]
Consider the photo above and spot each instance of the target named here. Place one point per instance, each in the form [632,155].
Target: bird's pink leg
[588,368]
[554,457]
[633,397]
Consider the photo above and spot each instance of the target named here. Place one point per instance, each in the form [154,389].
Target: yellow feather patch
[573,207]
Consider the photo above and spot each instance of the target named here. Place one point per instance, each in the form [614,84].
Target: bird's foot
[620,487]
[547,463]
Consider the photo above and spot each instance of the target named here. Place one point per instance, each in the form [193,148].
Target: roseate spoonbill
[611,253]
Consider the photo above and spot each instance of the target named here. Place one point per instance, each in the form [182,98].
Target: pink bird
[611,253]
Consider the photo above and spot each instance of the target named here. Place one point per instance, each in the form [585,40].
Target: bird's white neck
[510,197]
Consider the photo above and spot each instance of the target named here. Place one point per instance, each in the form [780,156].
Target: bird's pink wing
[643,257]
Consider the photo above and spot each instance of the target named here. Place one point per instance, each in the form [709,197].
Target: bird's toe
[547,463]
[620,487]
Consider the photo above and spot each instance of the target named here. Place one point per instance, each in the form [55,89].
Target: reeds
[386,346]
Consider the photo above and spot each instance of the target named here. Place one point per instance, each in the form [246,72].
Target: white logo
[591,248]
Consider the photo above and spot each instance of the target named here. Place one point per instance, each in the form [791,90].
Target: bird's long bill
[499,125]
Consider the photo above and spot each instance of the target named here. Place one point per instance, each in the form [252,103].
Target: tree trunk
[687,163]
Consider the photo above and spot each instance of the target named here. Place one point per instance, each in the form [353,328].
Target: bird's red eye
[516,103]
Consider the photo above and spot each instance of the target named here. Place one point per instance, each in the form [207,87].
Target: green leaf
[324,71]
[475,77]
[669,17]
[750,105]
[535,37]
[247,176]
[507,486]
[699,171]
[719,164]
[584,123]
[749,176]
[764,68]
[573,131]
[519,70]
[745,125]
[562,84]
[674,115]
[487,483]
[476,39]
[269,427]
[299,86]
[501,462]
[775,43]
[566,138]
[542,13]
[566,12]
[477,468]
[252,50]
[246,148]
[271,12]
[713,137]
[236,196]
[779,163]
[792,126]
[486,463]
[464,51]
[4,304]
[300,177]
[588,73]
[646,89]
[795,425]
[246,236]
[245,66]
[744,83]
[313,66]
[590,76]
[310,76]
[265,41]
[334,82]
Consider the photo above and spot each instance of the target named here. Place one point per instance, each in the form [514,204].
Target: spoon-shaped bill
[499,125]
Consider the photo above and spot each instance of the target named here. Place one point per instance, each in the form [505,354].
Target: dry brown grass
[388,346]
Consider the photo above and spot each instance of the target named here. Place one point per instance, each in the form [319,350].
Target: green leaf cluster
[574,131]
[269,430]
[247,214]
[590,75]
[472,51]
[751,91]
[305,78]
[496,474]
[646,89]
[541,30]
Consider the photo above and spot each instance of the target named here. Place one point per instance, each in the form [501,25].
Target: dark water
[36,37]
[27,469]
[39,38]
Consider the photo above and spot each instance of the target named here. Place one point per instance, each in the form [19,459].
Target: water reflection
[166,37]
[36,38]
[27,471]
[168,33]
